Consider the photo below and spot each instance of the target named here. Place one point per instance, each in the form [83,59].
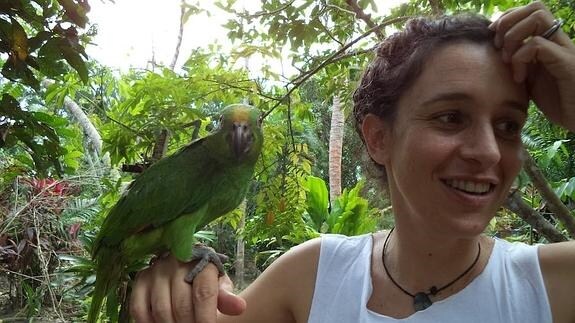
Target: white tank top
[510,288]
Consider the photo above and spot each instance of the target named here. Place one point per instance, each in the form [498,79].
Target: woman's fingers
[140,300]
[517,26]
[551,86]
[160,296]
[181,294]
[228,302]
[205,288]
[533,25]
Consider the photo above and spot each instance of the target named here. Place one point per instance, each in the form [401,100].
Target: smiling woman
[464,105]
[440,110]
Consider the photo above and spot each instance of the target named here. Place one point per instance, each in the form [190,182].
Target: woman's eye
[509,128]
[450,118]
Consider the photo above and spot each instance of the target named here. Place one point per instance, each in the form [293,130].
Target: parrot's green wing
[176,185]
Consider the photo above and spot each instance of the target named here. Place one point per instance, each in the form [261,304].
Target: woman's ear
[375,133]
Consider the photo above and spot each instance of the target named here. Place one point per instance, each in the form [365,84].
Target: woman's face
[454,148]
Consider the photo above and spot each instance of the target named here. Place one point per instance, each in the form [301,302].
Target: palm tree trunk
[240,250]
[180,35]
[335,149]
[95,140]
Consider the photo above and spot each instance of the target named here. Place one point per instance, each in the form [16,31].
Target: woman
[440,111]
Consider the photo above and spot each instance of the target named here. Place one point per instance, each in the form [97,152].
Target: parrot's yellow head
[240,125]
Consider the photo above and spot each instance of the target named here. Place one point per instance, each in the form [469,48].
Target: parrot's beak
[241,139]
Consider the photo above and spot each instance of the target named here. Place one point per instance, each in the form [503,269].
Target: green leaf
[75,60]
[49,58]
[35,42]
[570,189]
[560,190]
[71,159]
[317,201]
[52,120]
[19,41]
[18,71]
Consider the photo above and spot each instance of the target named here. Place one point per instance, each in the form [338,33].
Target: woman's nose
[481,146]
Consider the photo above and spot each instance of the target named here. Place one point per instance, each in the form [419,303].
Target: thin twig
[248,90]
[290,125]
[44,266]
[22,275]
[354,53]
[328,33]
[359,13]
[264,13]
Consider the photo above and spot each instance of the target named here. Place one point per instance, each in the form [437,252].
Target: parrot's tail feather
[108,275]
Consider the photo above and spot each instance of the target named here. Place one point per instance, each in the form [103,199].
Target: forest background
[74,133]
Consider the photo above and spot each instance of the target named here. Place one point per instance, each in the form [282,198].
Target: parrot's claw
[205,255]
[157,257]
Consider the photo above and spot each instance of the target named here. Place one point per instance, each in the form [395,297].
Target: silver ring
[557,23]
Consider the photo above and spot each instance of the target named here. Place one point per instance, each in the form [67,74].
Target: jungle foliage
[56,185]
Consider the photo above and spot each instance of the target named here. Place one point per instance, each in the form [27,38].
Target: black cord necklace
[421,300]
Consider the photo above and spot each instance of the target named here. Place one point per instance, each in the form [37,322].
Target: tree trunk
[180,36]
[554,204]
[515,204]
[94,138]
[240,243]
[335,148]
[240,250]
[161,145]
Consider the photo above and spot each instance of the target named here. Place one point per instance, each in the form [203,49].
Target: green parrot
[166,204]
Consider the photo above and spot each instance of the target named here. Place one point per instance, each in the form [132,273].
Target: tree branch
[515,204]
[161,145]
[436,7]
[554,203]
[329,34]
[233,86]
[359,13]
[354,53]
[331,59]
[263,13]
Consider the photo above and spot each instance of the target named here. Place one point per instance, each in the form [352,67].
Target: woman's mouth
[470,187]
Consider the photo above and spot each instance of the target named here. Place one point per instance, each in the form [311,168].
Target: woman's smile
[471,193]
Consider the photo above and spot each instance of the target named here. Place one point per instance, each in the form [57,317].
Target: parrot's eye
[260,120]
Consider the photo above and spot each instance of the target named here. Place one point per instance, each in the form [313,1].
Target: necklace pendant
[421,301]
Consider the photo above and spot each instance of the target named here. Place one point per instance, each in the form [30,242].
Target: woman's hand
[546,65]
[160,294]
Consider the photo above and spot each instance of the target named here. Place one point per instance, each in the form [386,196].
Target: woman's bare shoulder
[283,292]
[557,261]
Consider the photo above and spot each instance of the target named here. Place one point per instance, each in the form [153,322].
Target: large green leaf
[317,201]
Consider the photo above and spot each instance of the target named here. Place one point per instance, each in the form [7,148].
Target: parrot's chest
[228,194]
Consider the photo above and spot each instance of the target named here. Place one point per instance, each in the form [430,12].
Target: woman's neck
[418,260]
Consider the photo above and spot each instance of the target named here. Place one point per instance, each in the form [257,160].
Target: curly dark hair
[400,59]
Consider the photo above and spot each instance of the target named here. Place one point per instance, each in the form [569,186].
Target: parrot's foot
[205,255]
[157,257]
